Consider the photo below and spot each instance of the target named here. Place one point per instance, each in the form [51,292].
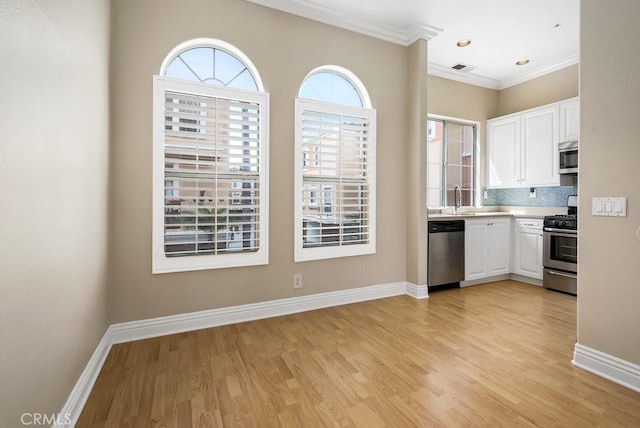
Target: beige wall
[54,162]
[53,216]
[284,48]
[552,87]
[416,165]
[462,101]
[609,280]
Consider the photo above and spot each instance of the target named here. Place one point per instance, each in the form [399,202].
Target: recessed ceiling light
[522,62]
[463,43]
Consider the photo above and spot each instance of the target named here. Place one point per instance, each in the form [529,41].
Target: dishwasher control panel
[446,226]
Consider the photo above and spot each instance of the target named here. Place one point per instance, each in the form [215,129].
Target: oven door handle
[566,274]
[569,232]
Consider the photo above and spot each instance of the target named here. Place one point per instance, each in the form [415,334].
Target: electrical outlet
[297,280]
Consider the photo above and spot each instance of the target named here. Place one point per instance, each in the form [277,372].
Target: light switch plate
[609,207]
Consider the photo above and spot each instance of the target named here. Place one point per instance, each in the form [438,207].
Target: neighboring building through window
[450,162]
[335,167]
[210,160]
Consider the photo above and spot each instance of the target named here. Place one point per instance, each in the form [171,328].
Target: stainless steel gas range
[561,250]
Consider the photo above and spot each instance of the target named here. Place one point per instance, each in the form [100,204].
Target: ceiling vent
[463,67]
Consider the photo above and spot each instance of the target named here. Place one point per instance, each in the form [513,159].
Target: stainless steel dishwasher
[446,253]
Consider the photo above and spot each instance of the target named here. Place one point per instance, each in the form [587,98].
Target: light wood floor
[490,355]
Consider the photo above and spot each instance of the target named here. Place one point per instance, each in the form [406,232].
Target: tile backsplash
[545,196]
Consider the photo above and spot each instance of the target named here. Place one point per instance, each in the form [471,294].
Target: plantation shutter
[338,148]
[213,155]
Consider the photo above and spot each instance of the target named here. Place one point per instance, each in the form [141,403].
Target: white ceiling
[501,32]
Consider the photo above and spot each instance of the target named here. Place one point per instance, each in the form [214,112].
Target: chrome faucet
[458,202]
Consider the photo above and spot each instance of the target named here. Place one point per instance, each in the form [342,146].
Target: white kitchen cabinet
[539,156]
[503,151]
[570,120]
[528,243]
[487,248]
[475,245]
[522,148]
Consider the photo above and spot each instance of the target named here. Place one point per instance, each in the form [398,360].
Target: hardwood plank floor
[491,355]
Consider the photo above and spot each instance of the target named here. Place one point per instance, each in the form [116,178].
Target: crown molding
[461,76]
[485,82]
[317,12]
[540,71]
[421,31]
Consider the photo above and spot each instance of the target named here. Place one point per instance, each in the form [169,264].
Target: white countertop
[468,216]
[495,211]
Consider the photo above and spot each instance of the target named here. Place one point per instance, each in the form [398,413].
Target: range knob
[563,223]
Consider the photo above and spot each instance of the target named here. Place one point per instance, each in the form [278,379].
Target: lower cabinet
[528,248]
[487,248]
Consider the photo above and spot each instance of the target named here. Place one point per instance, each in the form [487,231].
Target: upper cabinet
[522,148]
[539,157]
[570,120]
[503,151]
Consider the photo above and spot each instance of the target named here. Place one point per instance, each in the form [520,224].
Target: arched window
[213,62]
[210,160]
[335,166]
[335,85]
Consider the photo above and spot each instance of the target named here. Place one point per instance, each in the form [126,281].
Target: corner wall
[463,101]
[416,165]
[547,89]
[609,251]
[54,151]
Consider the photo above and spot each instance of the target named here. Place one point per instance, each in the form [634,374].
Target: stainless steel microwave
[568,157]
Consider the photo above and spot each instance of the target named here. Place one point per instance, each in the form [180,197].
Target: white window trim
[163,264]
[302,254]
[478,154]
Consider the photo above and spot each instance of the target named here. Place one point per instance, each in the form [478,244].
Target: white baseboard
[154,327]
[513,276]
[68,416]
[526,279]
[417,291]
[484,280]
[599,363]
[144,329]
[607,366]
